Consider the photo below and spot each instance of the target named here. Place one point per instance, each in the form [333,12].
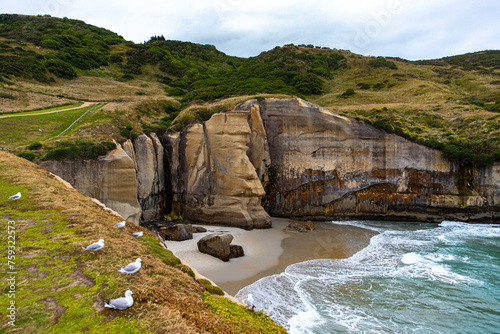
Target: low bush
[347,93]
[210,288]
[78,150]
[30,156]
[35,146]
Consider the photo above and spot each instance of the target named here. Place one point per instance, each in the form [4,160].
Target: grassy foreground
[57,287]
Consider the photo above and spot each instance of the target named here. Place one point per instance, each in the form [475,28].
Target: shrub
[307,83]
[382,62]
[127,132]
[116,58]
[363,85]
[210,288]
[35,146]
[60,68]
[347,93]
[30,156]
[78,150]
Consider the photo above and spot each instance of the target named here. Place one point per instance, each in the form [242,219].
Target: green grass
[37,127]
[29,112]
[45,254]
[210,288]
[248,321]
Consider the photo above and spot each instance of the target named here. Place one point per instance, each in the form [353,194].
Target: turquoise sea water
[410,279]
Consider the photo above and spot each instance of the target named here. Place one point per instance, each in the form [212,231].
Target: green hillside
[452,103]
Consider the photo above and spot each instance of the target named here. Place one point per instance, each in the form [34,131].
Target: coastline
[270,251]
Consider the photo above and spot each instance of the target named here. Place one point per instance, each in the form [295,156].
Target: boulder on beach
[178,232]
[236,251]
[219,246]
[199,229]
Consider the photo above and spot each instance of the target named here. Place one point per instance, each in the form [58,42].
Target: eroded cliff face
[326,165]
[213,179]
[129,179]
[111,179]
[290,158]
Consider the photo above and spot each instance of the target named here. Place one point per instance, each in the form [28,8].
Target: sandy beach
[270,251]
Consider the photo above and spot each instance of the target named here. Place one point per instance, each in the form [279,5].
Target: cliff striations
[326,165]
[290,158]
[212,177]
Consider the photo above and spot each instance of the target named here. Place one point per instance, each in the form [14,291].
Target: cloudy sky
[410,29]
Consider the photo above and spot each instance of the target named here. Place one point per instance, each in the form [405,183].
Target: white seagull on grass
[121,303]
[131,268]
[120,224]
[16,196]
[137,234]
[95,246]
[249,301]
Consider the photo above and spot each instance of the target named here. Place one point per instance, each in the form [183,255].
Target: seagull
[121,303]
[249,301]
[16,196]
[120,224]
[137,234]
[131,268]
[95,246]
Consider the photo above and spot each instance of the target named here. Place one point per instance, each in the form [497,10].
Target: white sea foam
[411,258]
[394,285]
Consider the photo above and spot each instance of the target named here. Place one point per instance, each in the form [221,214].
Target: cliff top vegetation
[452,103]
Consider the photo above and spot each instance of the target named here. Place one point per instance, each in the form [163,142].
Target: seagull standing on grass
[16,196]
[120,224]
[137,234]
[121,303]
[249,301]
[95,246]
[131,268]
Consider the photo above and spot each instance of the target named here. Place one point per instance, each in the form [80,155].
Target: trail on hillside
[83,105]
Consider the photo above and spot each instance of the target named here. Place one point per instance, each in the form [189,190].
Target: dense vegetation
[69,45]
[200,72]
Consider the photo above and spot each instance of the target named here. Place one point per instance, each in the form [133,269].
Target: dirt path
[83,105]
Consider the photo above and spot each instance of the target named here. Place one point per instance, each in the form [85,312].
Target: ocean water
[410,279]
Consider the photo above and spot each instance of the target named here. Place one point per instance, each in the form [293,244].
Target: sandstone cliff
[326,165]
[212,177]
[111,179]
[290,157]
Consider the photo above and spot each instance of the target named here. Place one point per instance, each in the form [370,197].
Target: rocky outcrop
[213,178]
[178,232]
[328,166]
[219,246]
[148,153]
[129,179]
[111,179]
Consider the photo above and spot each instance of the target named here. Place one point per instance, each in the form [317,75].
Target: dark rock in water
[216,245]
[179,232]
[300,227]
[199,229]
[236,251]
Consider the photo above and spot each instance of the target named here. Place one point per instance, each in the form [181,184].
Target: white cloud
[404,28]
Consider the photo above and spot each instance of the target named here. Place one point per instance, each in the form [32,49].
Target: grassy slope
[61,288]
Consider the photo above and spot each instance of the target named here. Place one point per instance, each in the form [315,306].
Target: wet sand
[270,251]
